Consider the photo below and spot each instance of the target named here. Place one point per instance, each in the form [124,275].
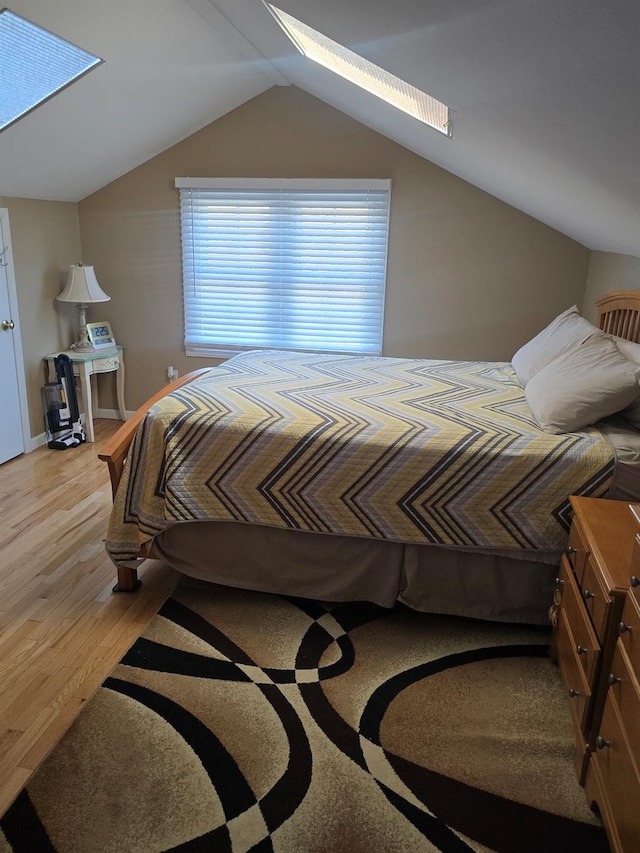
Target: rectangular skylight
[34,65]
[365,74]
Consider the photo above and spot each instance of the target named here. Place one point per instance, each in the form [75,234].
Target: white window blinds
[34,65]
[283,264]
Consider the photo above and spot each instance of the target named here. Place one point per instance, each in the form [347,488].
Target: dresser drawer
[618,780]
[587,646]
[106,364]
[577,688]
[595,596]
[578,549]
[634,575]
[629,632]
[634,587]
[625,688]
[571,670]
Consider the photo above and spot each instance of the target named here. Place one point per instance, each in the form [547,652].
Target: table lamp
[82,288]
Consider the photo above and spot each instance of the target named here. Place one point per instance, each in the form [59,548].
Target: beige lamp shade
[82,286]
[83,289]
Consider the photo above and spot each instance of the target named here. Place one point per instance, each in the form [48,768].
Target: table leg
[120,389]
[87,399]
[94,393]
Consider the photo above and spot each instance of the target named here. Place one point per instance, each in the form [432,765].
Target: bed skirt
[433,579]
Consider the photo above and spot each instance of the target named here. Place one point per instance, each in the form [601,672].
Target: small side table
[86,365]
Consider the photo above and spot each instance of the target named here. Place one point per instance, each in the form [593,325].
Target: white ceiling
[546,93]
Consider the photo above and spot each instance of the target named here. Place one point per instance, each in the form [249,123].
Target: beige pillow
[631,351]
[587,383]
[628,349]
[568,330]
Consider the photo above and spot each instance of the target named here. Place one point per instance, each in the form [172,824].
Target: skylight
[34,66]
[365,74]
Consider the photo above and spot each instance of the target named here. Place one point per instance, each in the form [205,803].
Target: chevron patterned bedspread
[408,450]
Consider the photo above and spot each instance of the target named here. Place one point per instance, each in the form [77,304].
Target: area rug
[250,722]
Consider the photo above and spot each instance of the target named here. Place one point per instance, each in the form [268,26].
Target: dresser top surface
[611,527]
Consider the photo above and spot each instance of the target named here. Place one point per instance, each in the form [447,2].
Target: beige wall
[45,240]
[468,276]
[609,271]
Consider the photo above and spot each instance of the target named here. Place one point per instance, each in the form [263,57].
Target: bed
[345,478]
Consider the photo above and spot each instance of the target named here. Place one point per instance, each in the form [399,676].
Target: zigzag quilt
[417,451]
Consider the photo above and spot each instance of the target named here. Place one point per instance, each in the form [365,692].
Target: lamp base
[83,344]
[82,347]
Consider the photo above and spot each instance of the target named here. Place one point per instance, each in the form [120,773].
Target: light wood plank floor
[61,628]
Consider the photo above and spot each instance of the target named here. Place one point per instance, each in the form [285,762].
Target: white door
[11,364]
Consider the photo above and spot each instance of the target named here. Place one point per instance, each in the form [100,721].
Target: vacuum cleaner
[62,418]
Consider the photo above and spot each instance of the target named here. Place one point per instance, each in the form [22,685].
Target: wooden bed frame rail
[114,451]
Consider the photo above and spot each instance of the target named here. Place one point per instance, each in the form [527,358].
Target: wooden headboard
[619,314]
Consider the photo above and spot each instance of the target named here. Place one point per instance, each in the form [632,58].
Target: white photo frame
[100,335]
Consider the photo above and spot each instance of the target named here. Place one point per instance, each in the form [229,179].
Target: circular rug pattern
[242,721]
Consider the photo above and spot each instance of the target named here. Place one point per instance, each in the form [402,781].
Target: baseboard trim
[37,441]
[111,414]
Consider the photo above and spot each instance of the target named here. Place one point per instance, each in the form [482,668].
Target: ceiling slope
[547,112]
[167,73]
[546,95]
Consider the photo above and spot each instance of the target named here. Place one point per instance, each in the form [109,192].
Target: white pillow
[632,352]
[581,386]
[628,349]
[568,330]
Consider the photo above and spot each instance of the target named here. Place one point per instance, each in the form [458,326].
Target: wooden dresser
[598,648]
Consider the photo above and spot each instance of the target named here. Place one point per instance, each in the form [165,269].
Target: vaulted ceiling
[546,93]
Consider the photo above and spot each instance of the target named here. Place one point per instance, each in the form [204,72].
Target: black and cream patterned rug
[242,721]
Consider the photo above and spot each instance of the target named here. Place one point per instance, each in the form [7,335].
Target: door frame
[16,336]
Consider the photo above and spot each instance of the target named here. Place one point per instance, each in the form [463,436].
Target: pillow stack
[573,375]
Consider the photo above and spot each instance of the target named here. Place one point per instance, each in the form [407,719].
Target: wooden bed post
[127,580]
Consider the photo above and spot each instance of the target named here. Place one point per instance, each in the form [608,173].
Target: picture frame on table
[101,335]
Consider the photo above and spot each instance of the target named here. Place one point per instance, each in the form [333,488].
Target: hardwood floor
[61,628]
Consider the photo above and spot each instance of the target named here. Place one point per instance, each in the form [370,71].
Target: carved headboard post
[619,314]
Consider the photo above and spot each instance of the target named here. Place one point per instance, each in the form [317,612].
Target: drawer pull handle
[571,550]
[581,650]
[613,679]
[573,693]
[601,742]
[635,581]
[587,595]
[623,629]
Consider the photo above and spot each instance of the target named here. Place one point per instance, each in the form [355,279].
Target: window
[34,65]
[283,264]
[365,74]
